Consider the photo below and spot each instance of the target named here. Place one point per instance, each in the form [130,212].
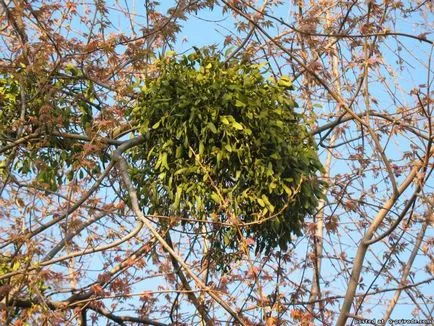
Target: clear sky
[211,27]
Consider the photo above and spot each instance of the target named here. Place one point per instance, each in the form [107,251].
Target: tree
[93,230]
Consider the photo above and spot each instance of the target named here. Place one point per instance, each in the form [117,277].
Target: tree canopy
[216,162]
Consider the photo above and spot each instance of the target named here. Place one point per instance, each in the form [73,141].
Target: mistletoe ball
[224,144]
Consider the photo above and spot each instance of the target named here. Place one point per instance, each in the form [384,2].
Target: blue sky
[211,27]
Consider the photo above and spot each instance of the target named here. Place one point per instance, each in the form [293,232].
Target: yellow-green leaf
[285,81]
[177,197]
[237,125]
[240,104]
[287,190]
[212,127]
[216,197]
[224,120]
[164,161]
[260,202]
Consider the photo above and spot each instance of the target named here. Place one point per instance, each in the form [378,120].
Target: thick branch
[135,205]
[190,294]
[62,305]
[364,244]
